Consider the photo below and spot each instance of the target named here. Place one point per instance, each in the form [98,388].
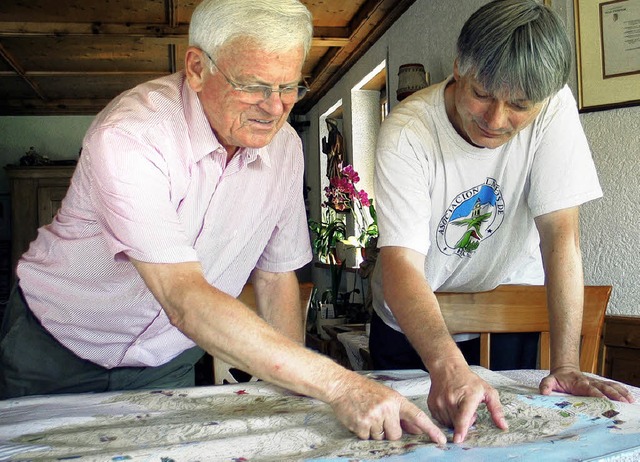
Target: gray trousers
[33,362]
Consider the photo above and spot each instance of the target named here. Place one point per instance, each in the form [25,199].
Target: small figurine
[32,158]
[333,147]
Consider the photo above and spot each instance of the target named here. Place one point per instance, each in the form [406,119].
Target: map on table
[260,422]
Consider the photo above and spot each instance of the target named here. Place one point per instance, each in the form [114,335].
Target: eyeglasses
[254,94]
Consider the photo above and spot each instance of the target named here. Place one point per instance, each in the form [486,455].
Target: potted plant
[343,198]
[327,233]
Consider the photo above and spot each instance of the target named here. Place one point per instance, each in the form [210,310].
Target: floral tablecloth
[260,422]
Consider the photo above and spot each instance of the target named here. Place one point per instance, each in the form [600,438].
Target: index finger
[464,418]
[467,414]
[415,421]
[494,406]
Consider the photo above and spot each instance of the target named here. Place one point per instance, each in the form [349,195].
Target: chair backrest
[519,308]
[224,372]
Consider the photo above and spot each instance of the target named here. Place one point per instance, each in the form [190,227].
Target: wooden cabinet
[621,349]
[36,194]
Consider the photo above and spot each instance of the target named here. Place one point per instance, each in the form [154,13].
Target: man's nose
[496,115]
[273,104]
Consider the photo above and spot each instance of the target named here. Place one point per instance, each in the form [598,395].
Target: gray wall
[426,34]
[57,137]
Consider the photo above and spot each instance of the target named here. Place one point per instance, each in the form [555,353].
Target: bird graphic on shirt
[470,240]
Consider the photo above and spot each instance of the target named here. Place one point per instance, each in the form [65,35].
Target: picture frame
[608,63]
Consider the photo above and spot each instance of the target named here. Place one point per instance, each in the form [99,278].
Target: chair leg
[545,351]
[485,350]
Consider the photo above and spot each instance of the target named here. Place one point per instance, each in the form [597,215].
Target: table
[258,421]
[350,341]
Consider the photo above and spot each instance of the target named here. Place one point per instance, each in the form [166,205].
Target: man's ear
[195,68]
[456,72]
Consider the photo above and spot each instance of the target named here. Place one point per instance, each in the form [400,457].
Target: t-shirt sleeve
[563,173]
[401,185]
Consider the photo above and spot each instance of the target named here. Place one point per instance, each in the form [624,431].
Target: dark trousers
[33,362]
[391,349]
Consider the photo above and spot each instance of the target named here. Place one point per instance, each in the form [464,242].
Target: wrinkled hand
[571,380]
[455,397]
[371,410]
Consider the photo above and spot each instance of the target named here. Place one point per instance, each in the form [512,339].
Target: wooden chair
[224,372]
[518,308]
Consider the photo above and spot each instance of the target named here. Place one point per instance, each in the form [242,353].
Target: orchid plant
[343,196]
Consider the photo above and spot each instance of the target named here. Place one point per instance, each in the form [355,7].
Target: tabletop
[261,422]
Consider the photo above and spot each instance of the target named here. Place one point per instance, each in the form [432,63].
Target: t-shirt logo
[473,216]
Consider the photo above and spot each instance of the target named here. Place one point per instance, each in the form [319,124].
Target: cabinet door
[49,200]
[36,193]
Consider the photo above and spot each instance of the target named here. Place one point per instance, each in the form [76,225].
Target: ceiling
[67,57]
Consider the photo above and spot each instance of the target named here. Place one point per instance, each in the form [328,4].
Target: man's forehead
[503,93]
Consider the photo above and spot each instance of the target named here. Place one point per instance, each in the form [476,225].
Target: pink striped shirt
[152,184]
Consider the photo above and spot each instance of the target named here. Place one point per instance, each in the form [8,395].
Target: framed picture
[608,53]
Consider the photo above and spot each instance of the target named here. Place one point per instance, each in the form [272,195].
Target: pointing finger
[415,421]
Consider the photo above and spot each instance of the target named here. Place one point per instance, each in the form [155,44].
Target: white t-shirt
[470,210]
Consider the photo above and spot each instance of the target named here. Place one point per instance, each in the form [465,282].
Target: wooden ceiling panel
[180,50]
[184,10]
[63,56]
[334,13]
[42,55]
[5,68]
[313,59]
[90,86]
[14,87]
[111,11]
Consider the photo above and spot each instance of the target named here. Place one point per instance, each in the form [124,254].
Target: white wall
[610,242]
[426,34]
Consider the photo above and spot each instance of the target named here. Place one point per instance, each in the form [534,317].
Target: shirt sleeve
[289,247]
[563,173]
[131,189]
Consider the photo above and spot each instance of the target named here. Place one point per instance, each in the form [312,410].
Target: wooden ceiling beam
[6,56]
[173,58]
[171,7]
[331,36]
[323,36]
[62,29]
[58,107]
[333,59]
[29,74]
[329,42]
[336,49]
[368,25]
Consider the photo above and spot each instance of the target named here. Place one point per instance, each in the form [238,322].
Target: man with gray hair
[478,183]
[187,187]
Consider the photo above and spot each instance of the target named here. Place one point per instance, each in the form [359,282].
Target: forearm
[243,339]
[565,293]
[226,328]
[416,309]
[564,281]
[278,301]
